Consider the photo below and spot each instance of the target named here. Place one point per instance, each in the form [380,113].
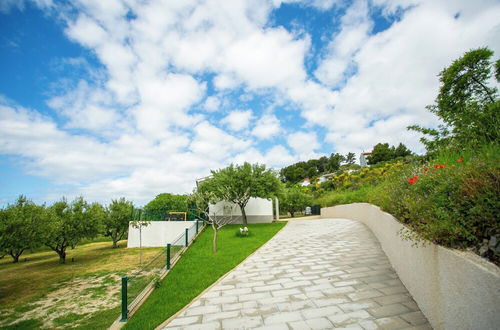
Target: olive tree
[69,223]
[116,221]
[238,183]
[295,200]
[21,227]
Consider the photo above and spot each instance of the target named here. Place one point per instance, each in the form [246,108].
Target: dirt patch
[82,296]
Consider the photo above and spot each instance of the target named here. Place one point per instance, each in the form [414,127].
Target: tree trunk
[115,242]
[214,241]
[62,256]
[243,213]
[15,257]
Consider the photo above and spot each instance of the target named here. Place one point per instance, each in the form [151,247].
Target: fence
[191,214]
[139,285]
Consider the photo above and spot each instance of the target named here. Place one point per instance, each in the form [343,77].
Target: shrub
[454,203]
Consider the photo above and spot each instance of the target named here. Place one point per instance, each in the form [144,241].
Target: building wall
[362,160]
[454,289]
[257,210]
[160,233]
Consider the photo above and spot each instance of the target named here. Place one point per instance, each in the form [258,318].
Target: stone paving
[314,274]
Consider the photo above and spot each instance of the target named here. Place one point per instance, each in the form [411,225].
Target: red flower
[442,166]
[413,179]
[460,160]
[437,166]
[426,169]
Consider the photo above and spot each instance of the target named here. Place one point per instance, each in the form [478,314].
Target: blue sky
[134,98]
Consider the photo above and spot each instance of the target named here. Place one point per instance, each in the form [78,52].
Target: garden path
[314,274]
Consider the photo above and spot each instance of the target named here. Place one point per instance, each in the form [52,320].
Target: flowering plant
[243,232]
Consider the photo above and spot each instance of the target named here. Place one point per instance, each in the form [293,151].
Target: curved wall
[454,289]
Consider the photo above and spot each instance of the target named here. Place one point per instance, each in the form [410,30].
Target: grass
[27,283]
[198,269]
[338,197]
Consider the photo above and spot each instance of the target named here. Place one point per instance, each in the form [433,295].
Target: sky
[134,98]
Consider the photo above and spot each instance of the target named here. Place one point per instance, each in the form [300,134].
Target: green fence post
[168,256]
[124,299]
[197,226]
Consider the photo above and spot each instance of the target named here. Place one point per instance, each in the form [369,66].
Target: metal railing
[139,285]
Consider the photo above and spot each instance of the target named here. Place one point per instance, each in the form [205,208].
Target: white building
[325,177]
[363,159]
[258,210]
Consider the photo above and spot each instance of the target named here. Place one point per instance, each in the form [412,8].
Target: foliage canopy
[69,223]
[467,105]
[21,227]
[116,221]
[238,183]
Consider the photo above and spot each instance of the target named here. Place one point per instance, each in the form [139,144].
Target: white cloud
[304,144]
[86,31]
[276,157]
[319,4]
[396,74]
[88,108]
[339,64]
[237,119]
[267,59]
[267,127]
[212,103]
[141,128]
[214,143]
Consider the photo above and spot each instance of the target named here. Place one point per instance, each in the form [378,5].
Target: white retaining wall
[257,210]
[159,233]
[454,289]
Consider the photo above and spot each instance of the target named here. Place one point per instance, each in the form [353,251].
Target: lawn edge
[167,321]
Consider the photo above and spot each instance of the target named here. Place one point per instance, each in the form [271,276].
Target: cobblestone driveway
[314,274]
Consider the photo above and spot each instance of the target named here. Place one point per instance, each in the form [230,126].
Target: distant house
[325,177]
[363,158]
[306,182]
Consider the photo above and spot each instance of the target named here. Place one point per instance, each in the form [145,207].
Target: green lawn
[198,269]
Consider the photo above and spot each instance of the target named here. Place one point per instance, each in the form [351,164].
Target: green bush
[345,197]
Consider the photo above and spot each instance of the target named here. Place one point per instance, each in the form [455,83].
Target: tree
[164,203]
[295,200]
[380,153]
[21,227]
[469,108]
[238,183]
[334,162]
[402,151]
[68,224]
[138,222]
[201,199]
[116,221]
[350,158]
